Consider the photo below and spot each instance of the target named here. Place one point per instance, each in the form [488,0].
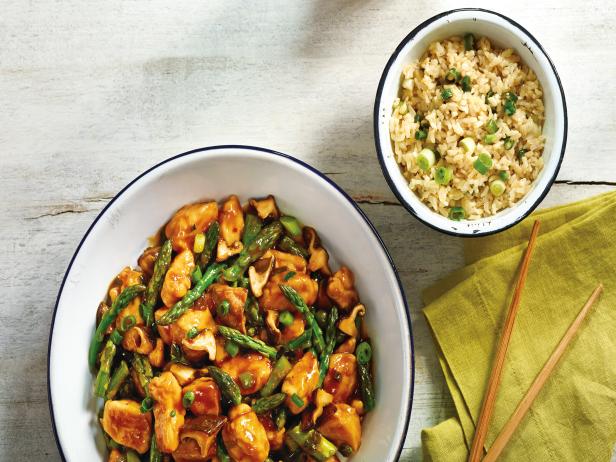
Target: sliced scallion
[457,213]
[497,187]
[483,163]
[443,175]
[425,159]
[468,144]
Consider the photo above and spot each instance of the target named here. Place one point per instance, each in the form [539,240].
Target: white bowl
[505,33]
[119,234]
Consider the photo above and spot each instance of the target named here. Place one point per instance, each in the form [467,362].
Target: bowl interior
[120,233]
[504,34]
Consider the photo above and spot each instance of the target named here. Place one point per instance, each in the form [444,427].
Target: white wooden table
[93,93]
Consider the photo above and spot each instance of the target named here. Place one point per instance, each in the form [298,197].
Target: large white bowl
[119,234]
[505,33]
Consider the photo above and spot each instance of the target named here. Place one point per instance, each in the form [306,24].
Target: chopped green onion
[443,175]
[192,332]
[188,399]
[232,348]
[223,308]
[421,135]
[173,413]
[503,175]
[291,225]
[286,318]
[246,379]
[466,84]
[146,405]
[251,331]
[346,450]
[456,213]
[469,42]
[363,353]
[509,143]
[452,75]
[417,117]
[468,144]
[483,163]
[490,139]
[297,400]
[497,187]
[521,153]
[489,95]
[199,244]
[446,94]
[509,107]
[426,159]
[196,275]
[491,126]
[127,322]
[289,275]
[512,96]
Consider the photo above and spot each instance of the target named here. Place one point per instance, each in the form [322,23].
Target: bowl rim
[377,140]
[265,151]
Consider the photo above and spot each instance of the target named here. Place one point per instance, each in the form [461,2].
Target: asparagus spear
[300,305]
[155,454]
[221,451]
[211,239]
[265,240]
[253,316]
[252,226]
[117,379]
[313,443]
[366,387]
[102,378]
[330,336]
[118,305]
[289,245]
[279,372]
[247,341]
[291,225]
[227,385]
[301,341]
[156,281]
[143,368]
[209,276]
[268,403]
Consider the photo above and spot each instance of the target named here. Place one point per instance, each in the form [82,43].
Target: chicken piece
[163,331]
[124,422]
[182,373]
[127,277]
[205,302]
[340,288]
[284,260]
[225,251]
[204,344]
[178,278]
[244,436]
[189,221]
[221,353]
[348,346]
[323,302]
[137,339]
[273,298]
[340,424]
[157,355]
[236,296]
[341,377]
[207,396]
[254,363]
[147,260]
[296,329]
[274,436]
[168,410]
[265,208]
[198,438]
[231,220]
[302,381]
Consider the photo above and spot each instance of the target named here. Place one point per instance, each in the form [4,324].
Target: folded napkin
[574,416]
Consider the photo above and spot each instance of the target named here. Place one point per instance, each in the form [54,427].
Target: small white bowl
[505,33]
[119,234]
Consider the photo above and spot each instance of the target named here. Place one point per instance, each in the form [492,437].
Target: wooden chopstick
[487,407]
[509,428]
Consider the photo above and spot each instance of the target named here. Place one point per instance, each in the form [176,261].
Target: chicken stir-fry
[233,340]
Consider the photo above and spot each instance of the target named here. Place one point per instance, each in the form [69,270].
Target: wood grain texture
[93,93]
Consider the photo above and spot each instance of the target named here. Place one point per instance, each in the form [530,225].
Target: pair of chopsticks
[489,400]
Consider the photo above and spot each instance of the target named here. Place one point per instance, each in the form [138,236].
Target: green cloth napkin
[574,416]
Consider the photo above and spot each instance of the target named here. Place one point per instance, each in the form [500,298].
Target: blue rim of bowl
[377,104]
[266,151]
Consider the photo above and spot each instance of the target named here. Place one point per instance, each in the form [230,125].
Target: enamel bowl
[119,234]
[504,33]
